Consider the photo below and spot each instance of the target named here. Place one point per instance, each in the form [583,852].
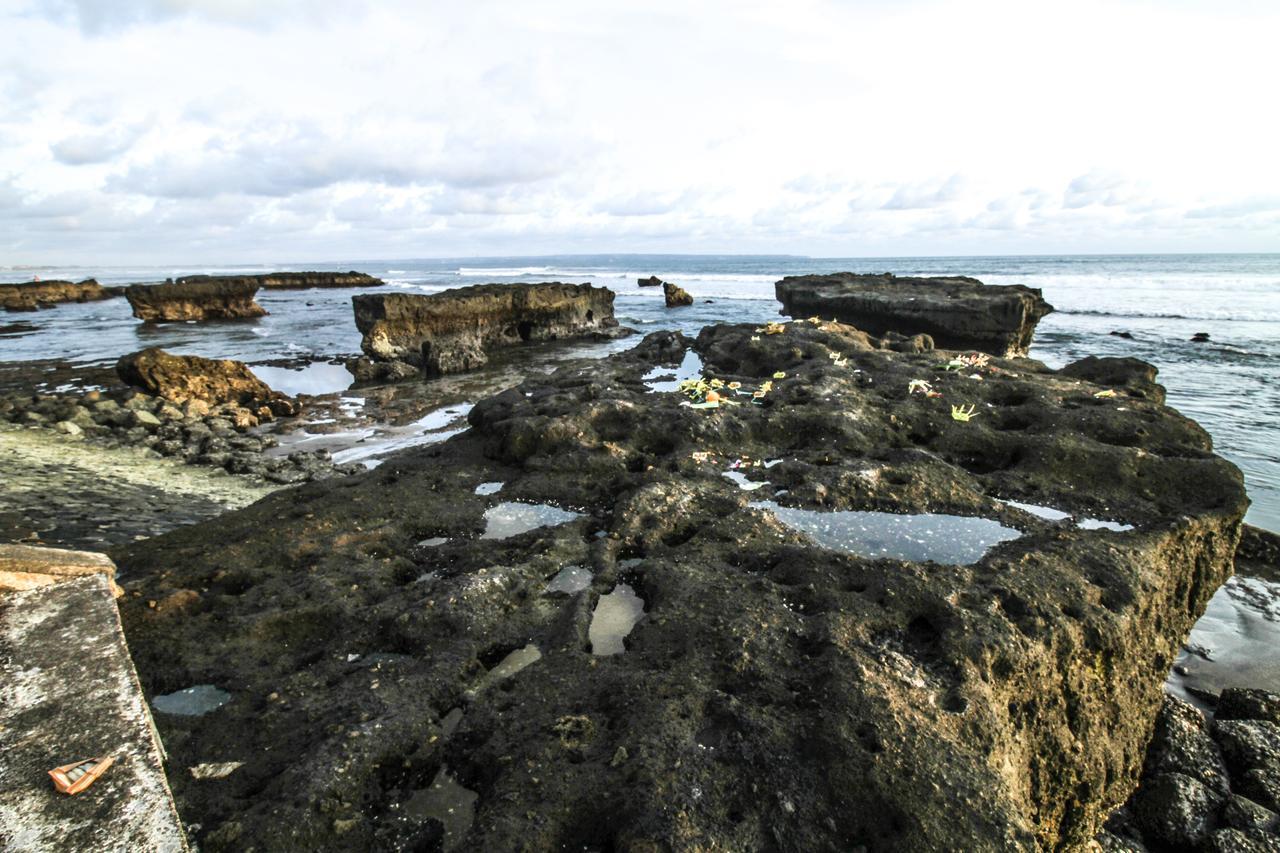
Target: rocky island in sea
[825,582]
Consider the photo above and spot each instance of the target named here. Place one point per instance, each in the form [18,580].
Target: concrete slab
[68,691]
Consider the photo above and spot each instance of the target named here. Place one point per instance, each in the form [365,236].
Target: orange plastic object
[75,777]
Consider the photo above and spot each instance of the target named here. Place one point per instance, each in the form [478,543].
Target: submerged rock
[957,311]
[675,295]
[780,692]
[186,378]
[29,296]
[453,331]
[291,280]
[203,298]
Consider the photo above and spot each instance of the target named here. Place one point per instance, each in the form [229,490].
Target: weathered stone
[1176,810]
[776,693]
[1243,813]
[143,418]
[1238,703]
[214,299]
[1262,785]
[26,567]
[651,281]
[365,369]
[957,312]
[1182,744]
[1242,841]
[28,296]
[675,295]
[1248,745]
[69,429]
[453,331]
[186,378]
[290,280]
[68,691]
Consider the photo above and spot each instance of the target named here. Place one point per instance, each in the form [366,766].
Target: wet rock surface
[33,295]
[772,693]
[958,312]
[203,299]
[453,331]
[1207,785]
[203,383]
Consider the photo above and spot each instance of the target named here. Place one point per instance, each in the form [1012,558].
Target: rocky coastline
[200,300]
[34,295]
[842,555]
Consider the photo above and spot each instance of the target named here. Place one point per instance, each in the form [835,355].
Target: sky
[229,131]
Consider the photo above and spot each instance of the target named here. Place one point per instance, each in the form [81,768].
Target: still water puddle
[571,580]
[1234,643]
[489,488]
[193,701]
[433,542]
[316,378]
[1102,524]
[448,802]
[1050,514]
[661,379]
[954,539]
[742,481]
[512,518]
[614,617]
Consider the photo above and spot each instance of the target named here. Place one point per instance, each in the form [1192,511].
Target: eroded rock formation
[183,378]
[977,668]
[651,281]
[958,312]
[29,296]
[293,280]
[212,299]
[453,331]
[675,295]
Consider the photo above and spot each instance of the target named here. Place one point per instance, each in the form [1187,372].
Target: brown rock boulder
[292,280]
[651,281]
[453,331]
[28,296]
[203,299]
[184,378]
[675,295]
[958,312]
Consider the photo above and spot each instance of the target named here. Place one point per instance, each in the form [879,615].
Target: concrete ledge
[25,567]
[68,691]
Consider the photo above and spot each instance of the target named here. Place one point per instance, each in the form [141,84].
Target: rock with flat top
[958,312]
[202,299]
[455,330]
[292,280]
[31,295]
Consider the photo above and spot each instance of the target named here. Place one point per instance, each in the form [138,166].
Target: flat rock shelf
[781,686]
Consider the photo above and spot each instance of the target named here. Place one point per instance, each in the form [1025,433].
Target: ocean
[1228,384]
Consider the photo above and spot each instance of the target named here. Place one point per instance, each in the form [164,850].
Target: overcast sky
[170,131]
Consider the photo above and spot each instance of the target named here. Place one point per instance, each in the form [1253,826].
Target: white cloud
[307,129]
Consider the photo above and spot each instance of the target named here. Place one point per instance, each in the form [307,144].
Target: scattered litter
[75,777]
[216,770]
[1110,392]
[963,413]
[779,375]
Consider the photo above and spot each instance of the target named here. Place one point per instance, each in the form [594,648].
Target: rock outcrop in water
[29,296]
[651,281]
[293,280]
[675,295]
[881,609]
[455,330]
[185,378]
[207,299]
[958,312]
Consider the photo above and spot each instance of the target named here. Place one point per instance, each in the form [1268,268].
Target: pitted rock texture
[204,299]
[675,295]
[775,695]
[293,280]
[29,296]
[957,311]
[183,378]
[452,331]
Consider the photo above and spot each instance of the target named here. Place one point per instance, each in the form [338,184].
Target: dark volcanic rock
[906,689]
[958,312]
[28,296]
[183,378]
[1238,703]
[205,299]
[452,331]
[651,281]
[293,280]
[675,295]
[1176,811]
